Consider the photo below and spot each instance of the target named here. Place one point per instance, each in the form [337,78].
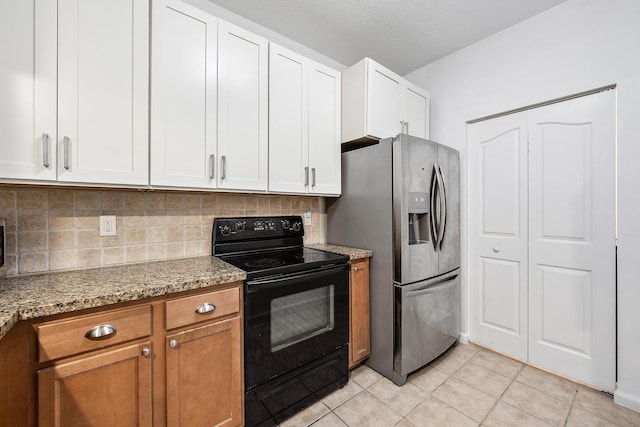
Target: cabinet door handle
[306,176]
[101,332]
[146,352]
[406,128]
[356,268]
[205,308]
[45,150]
[67,143]
[313,177]
[173,343]
[223,167]
[212,165]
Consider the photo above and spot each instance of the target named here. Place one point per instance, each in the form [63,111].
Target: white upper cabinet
[242,109]
[183,96]
[28,89]
[324,130]
[304,125]
[103,79]
[377,103]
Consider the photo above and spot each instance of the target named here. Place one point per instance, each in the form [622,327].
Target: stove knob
[225,230]
[297,226]
[240,226]
[286,224]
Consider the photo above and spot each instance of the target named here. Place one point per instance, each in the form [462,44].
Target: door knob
[496,249]
[173,343]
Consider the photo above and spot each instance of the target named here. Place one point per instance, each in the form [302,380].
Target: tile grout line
[573,400]
[499,399]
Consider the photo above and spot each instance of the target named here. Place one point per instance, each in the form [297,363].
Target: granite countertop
[28,297]
[352,253]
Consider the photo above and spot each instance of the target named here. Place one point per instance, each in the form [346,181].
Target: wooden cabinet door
[384,102]
[359,323]
[288,121]
[183,96]
[28,49]
[111,388]
[416,102]
[204,376]
[103,102]
[242,109]
[324,130]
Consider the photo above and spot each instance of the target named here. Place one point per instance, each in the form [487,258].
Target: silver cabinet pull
[205,308]
[173,343]
[306,176]
[67,142]
[212,165]
[406,128]
[401,126]
[101,332]
[146,352]
[356,268]
[45,150]
[223,167]
[313,177]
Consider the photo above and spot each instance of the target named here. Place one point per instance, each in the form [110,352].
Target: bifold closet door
[572,238]
[498,234]
[542,236]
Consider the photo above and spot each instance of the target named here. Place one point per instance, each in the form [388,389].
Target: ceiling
[403,35]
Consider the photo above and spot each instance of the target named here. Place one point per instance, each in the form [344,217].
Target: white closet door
[498,234]
[572,239]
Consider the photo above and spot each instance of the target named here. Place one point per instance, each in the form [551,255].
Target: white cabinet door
[242,109]
[103,57]
[416,107]
[324,130]
[28,52]
[183,96]
[498,234]
[377,103]
[384,103]
[572,249]
[288,121]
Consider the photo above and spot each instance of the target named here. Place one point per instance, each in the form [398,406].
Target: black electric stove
[296,315]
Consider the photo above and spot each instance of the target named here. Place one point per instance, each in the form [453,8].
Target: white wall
[576,46]
[271,35]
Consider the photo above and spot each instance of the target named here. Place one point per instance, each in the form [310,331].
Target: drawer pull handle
[101,332]
[173,343]
[205,308]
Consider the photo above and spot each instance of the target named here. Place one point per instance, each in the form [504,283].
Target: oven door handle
[272,282]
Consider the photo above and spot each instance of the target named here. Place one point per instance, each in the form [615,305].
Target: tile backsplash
[58,229]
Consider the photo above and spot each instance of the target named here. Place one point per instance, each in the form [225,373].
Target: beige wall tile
[157,251]
[156,234]
[114,255]
[87,219]
[63,260]
[8,199]
[175,250]
[62,240]
[193,249]
[135,236]
[62,199]
[33,262]
[32,199]
[33,241]
[112,201]
[32,220]
[134,219]
[89,258]
[192,232]
[117,240]
[176,234]
[134,201]
[88,239]
[209,203]
[155,201]
[156,218]
[62,219]
[88,200]
[175,201]
[135,253]
[192,201]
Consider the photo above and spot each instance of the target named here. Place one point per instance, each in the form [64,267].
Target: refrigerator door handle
[432,211]
[442,196]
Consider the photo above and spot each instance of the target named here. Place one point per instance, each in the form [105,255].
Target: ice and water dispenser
[418,218]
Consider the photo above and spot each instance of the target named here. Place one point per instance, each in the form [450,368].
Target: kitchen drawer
[63,338]
[184,311]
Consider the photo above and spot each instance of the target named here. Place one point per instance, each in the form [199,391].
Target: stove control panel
[256,228]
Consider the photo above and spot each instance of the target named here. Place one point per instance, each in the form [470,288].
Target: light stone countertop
[28,297]
[352,253]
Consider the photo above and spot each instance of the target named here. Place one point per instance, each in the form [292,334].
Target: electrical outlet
[107,225]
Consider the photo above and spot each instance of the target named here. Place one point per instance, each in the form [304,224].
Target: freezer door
[449,230]
[414,163]
[427,321]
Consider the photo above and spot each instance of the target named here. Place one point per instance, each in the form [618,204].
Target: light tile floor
[467,386]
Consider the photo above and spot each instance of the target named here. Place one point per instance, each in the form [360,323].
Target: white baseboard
[627,400]
[464,338]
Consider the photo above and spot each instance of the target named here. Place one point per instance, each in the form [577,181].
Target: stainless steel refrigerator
[400,198]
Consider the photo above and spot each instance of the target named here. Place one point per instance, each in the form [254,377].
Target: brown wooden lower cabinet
[111,388]
[204,376]
[359,321]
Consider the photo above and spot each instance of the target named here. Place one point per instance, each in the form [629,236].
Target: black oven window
[296,317]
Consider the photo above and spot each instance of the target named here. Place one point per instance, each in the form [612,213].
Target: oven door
[294,319]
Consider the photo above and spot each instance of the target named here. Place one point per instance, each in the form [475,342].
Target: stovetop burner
[262,263]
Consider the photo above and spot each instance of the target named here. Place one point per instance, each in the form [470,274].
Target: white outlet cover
[107,225]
